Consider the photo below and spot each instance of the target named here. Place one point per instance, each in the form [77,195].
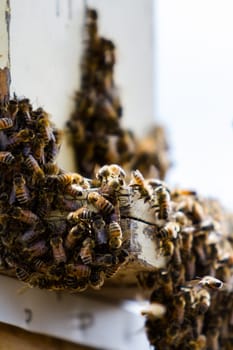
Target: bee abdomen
[5,123]
[6,157]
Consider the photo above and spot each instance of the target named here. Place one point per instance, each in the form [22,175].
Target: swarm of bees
[59,231]
[55,231]
[95,126]
[191,297]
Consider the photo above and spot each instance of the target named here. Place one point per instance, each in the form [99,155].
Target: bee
[199,343]
[105,259]
[39,265]
[187,239]
[44,128]
[22,274]
[29,236]
[80,214]
[33,166]
[100,203]
[178,308]
[59,254]
[76,234]
[182,192]
[78,270]
[210,282]
[181,218]
[6,123]
[165,281]
[76,285]
[36,249]
[115,235]
[86,251]
[109,173]
[198,214]
[139,182]
[13,109]
[74,191]
[164,202]
[167,247]
[23,136]
[98,226]
[51,168]
[154,311]
[169,231]
[38,150]
[96,279]
[26,216]
[111,271]
[20,191]
[6,158]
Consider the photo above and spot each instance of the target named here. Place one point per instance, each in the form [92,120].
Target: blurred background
[193,76]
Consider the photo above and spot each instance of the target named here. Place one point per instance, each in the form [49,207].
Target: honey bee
[81,213]
[36,249]
[154,310]
[51,168]
[115,235]
[182,192]
[38,150]
[26,216]
[167,247]
[6,123]
[86,251]
[23,136]
[29,236]
[59,254]
[109,173]
[6,158]
[74,191]
[111,271]
[164,203]
[75,235]
[139,182]
[39,265]
[199,343]
[68,179]
[210,282]
[44,128]
[105,259]
[169,231]
[78,270]
[20,191]
[13,109]
[100,203]
[96,279]
[34,167]
[98,226]
[178,308]
[198,214]
[22,274]
[165,281]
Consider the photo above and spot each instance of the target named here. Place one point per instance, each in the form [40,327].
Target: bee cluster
[95,128]
[59,231]
[54,233]
[192,296]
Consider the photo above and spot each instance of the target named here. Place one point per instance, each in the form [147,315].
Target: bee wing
[12,196]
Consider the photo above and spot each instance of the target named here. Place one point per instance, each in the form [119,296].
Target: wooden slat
[13,338]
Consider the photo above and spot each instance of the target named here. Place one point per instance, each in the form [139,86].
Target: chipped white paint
[4,44]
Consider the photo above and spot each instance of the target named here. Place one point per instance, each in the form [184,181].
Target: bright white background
[194,91]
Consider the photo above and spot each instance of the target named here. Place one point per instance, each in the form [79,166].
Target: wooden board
[13,338]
